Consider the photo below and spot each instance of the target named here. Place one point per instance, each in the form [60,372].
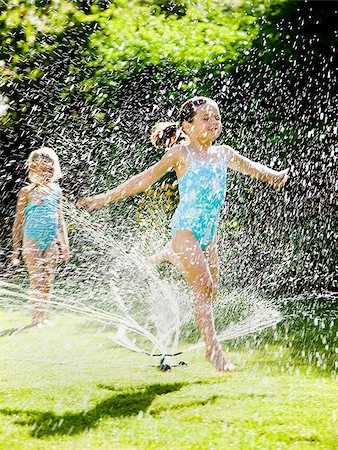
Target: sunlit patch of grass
[68,387]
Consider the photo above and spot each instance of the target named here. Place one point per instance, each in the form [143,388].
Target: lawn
[68,386]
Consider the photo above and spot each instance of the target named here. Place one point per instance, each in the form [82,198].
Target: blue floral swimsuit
[41,219]
[202,191]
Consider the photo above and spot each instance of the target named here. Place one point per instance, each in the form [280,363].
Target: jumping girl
[201,171]
[39,223]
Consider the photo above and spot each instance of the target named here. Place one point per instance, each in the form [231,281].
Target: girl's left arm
[256,170]
[18,225]
[62,234]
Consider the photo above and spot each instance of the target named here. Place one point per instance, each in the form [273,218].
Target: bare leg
[211,255]
[41,268]
[50,257]
[167,254]
[198,276]
[32,257]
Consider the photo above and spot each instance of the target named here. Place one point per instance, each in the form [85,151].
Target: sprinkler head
[163,366]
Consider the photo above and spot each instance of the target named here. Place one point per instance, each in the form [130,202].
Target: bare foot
[217,359]
[155,259]
[166,254]
[229,367]
[161,256]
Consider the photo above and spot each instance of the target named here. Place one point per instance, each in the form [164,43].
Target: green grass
[68,387]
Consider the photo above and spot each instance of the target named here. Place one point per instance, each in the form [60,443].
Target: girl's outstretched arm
[136,184]
[244,165]
[18,225]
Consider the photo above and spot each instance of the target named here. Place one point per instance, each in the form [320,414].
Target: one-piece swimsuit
[41,218]
[202,191]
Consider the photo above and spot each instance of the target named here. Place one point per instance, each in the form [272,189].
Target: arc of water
[79,307]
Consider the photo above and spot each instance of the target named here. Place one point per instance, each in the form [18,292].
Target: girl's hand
[90,202]
[15,258]
[64,253]
[280,179]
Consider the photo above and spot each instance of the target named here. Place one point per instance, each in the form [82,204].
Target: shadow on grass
[186,404]
[14,331]
[121,404]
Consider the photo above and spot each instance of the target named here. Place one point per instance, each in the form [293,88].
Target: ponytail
[165,134]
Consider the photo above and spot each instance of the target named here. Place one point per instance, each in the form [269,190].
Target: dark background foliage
[276,96]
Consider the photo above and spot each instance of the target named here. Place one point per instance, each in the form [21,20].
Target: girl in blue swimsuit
[39,224]
[201,171]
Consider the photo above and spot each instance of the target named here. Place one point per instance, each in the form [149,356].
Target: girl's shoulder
[225,150]
[180,151]
[55,187]
[26,190]
[176,155]
[25,193]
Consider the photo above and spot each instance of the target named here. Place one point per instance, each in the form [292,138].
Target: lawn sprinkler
[164,366]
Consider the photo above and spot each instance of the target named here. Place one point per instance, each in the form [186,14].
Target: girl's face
[206,124]
[41,171]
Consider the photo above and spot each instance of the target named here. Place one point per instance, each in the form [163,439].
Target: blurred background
[91,78]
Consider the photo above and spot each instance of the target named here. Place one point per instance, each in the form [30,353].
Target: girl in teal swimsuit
[202,191]
[201,171]
[39,224]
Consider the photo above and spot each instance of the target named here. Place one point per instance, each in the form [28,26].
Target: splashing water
[277,107]
[110,282]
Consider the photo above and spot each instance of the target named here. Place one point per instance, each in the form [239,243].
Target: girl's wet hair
[48,155]
[165,134]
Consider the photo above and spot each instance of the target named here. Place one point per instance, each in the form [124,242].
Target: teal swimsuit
[41,219]
[202,192]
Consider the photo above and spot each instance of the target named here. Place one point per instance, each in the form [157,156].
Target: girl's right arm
[18,224]
[136,184]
